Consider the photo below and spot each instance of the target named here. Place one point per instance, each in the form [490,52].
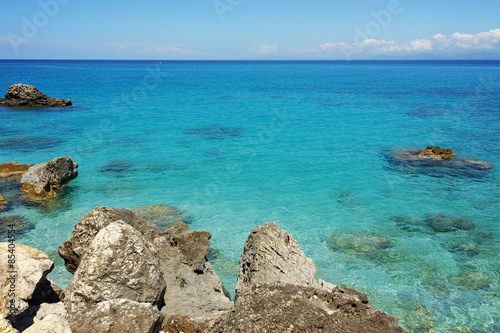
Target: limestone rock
[118,316]
[31,267]
[119,263]
[51,309]
[84,232]
[272,255]
[13,169]
[26,95]
[43,179]
[292,308]
[2,200]
[180,324]
[436,153]
[193,288]
[6,326]
[51,323]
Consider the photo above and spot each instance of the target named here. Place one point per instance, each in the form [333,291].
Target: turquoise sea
[304,144]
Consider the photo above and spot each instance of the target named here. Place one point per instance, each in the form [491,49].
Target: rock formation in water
[13,169]
[131,277]
[435,153]
[44,179]
[26,95]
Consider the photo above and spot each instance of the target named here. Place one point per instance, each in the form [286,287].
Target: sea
[310,145]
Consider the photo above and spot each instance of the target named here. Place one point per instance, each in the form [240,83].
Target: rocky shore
[131,276]
[26,95]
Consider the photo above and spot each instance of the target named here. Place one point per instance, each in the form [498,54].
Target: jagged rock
[13,169]
[85,230]
[180,324]
[435,152]
[193,288]
[26,95]
[6,326]
[163,216]
[119,263]
[43,179]
[118,316]
[272,255]
[31,267]
[51,323]
[292,308]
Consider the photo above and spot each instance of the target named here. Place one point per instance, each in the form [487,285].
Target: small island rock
[26,95]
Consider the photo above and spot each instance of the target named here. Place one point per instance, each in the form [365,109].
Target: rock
[272,255]
[47,292]
[163,216]
[31,266]
[118,316]
[26,95]
[13,169]
[2,200]
[292,308]
[51,323]
[119,263]
[180,324]
[470,280]
[43,179]
[85,230]
[435,152]
[480,165]
[442,223]
[362,242]
[6,326]
[193,288]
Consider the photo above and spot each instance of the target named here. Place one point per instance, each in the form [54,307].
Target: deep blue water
[305,144]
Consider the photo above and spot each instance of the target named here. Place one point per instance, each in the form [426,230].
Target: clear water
[304,144]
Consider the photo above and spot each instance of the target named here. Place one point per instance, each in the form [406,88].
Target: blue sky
[250,29]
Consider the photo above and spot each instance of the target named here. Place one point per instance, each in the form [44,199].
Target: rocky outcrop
[26,95]
[435,153]
[272,255]
[13,169]
[3,201]
[44,179]
[119,264]
[21,277]
[50,318]
[195,294]
[85,230]
[291,308]
[119,316]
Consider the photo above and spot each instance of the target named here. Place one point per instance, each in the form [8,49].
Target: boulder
[46,318]
[293,308]
[26,95]
[51,323]
[118,316]
[119,263]
[30,268]
[194,290]
[272,255]
[6,325]
[13,169]
[435,152]
[43,179]
[85,230]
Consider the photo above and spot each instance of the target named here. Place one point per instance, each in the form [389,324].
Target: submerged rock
[163,216]
[442,223]
[73,249]
[117,168]
[19,224]
[44,179]
[362,242]
[470,280]
[26,95]
[13,169]
[29,143]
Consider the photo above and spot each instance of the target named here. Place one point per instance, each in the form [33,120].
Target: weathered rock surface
[31,266]
[27,95]
[193,288]
[13,169]
[118,316]
[2,200]
[46,318]
[292,308]
[51,323]
[435,152]
[6,325]
[272,255]
[119,263]
[85,230]
[43,179]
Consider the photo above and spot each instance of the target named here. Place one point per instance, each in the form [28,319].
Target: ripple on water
[29,143]
[215,132]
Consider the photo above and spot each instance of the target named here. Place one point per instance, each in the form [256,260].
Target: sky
[250,29]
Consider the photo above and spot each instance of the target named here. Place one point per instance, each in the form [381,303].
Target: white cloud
[457,42]
[265,49]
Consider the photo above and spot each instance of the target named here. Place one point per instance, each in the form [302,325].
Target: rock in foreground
[26,95]
[44,179]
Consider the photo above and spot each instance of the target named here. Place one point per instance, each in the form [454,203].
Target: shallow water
[304,144]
